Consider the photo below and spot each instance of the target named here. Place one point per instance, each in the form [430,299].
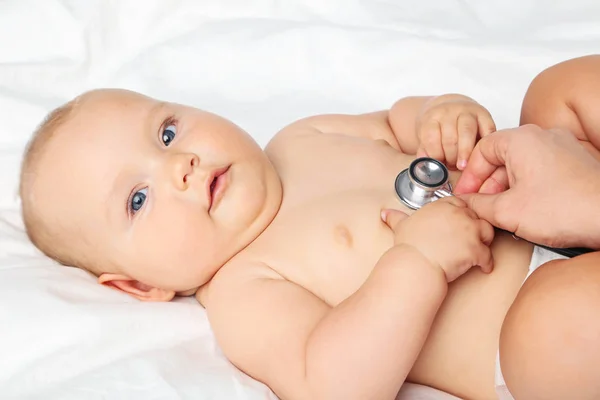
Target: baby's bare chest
[329,235]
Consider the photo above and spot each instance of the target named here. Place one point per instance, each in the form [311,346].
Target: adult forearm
[366,346]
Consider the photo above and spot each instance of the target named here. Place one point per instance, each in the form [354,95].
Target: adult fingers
[487,156]
[496,183]
[490,207]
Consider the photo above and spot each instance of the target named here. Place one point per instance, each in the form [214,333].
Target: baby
[315,279]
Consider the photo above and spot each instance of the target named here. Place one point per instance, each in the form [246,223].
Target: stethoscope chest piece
[424,181]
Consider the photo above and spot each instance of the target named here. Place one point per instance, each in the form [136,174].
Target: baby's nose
[183,166]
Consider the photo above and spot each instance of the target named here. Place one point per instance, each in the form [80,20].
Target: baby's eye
[168,134]
[137,200]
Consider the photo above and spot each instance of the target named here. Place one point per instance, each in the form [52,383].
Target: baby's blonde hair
[48,237]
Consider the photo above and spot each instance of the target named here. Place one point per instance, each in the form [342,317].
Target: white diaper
[540,256]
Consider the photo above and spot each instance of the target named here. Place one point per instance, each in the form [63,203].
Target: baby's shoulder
[232,277]
[293,144]
[331,128]
[302,129]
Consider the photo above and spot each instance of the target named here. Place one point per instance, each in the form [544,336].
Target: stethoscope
[427,180]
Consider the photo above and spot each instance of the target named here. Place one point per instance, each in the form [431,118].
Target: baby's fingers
[467,136]
[449,141]
[484,253]
[421,152]
[486,232]
[392,217]
[431,139]
[453,200]
[485,259]
[486,123]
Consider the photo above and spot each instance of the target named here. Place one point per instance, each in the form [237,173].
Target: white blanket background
[263,64]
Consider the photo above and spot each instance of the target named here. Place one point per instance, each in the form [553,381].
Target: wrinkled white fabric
[263,64]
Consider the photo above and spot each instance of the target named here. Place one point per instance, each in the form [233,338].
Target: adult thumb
[392,217]
[486,206]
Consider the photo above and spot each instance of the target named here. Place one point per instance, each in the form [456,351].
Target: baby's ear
[134,288]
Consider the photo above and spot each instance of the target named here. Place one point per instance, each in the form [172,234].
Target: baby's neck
[266,218]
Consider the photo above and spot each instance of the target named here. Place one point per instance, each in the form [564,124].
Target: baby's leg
[567,95]
[550,339]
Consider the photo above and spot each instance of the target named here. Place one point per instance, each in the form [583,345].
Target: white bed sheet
[262,63]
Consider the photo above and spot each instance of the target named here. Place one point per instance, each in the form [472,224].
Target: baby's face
[163,193]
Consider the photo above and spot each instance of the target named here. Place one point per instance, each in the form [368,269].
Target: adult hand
[542,185]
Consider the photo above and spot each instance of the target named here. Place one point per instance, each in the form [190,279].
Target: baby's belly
[328,236]
[459,355]
[332,256]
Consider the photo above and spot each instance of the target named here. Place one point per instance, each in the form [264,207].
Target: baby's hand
[447,233]
[448,127]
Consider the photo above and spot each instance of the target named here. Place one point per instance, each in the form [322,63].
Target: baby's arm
[397,126]
[444,127]
[302,348]
[567,95]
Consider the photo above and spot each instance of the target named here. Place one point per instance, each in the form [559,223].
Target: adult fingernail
[461,164]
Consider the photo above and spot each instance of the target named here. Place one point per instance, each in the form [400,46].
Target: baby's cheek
[195,255]
[179,243]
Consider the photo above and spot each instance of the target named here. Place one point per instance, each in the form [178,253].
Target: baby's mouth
[212,186]
[217,186]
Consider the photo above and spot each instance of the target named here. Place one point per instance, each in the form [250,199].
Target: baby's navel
[342,235]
